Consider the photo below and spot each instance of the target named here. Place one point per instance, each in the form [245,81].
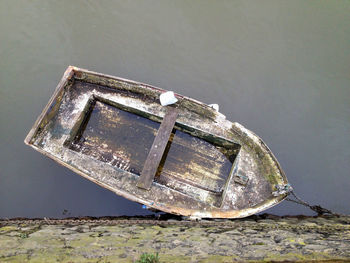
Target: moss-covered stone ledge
[256,239]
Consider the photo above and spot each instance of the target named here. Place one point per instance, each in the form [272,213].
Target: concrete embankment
[255,239]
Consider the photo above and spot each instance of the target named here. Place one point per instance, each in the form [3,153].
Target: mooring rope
[316,208]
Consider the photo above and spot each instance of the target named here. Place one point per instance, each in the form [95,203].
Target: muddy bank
[256,239]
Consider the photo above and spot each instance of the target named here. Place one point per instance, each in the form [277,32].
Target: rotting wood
[156,153]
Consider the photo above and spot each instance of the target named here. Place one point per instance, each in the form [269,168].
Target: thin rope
[316,208]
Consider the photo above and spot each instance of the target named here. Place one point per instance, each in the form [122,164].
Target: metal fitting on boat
[282,189]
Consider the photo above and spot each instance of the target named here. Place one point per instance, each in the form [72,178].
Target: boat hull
[102,127]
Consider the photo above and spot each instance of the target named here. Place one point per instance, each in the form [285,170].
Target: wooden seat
[157,150]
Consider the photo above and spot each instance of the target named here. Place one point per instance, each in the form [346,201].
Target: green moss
[199,109]
[297,257]
[6,229]
[195,238]
[218,258]
[16,258]
[82,239]
[148,258]
[23,235]
[174,258]
[126,243]
[27,231]
[271,178]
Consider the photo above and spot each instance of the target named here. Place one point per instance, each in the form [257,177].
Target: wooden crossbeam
[157,150]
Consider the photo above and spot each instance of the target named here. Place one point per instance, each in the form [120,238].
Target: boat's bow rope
[316,208]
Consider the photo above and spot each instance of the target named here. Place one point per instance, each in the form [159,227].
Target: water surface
[280,68]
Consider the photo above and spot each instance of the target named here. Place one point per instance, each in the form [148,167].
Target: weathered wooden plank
[52,106]
[156,153]
[117,137]
[197,162]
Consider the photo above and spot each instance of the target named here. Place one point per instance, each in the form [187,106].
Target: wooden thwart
[157,150]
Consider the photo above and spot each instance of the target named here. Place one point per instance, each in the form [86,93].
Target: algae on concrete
[244,240]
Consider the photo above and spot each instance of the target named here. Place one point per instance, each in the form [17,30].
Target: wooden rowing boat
[184,158]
